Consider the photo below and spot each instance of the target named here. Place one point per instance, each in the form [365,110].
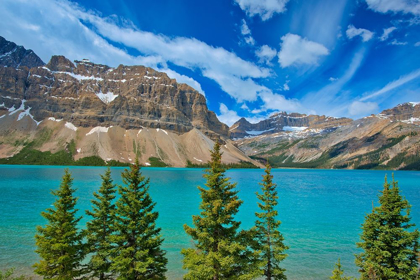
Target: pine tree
[137,254]
[219,252]
[268,239]
[101,229]
[60,241]
[338,272]
[389,248]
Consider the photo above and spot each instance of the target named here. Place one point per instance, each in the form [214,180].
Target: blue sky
[250,58]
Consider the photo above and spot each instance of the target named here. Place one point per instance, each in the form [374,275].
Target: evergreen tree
[101,229]
[219,252]
[137,254]
[389,248]
[338,272]
[60,241]
[268,239]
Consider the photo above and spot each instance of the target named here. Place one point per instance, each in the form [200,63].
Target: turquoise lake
[321,210]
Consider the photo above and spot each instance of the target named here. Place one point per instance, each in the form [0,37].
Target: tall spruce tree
[220,252]
[138,253]
[101,229]
[389,248]
[268,239]
[60,241]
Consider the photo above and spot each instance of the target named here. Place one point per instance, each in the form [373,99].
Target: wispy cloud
[330,99]
[403,6]
[265,54]
[393,85]
[352,32]
[386,33]
[296,51]
[247,33]
[395,42]
[263,8]
[87,35]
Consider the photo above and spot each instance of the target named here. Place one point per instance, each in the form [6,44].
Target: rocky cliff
[15,56]
[389,140]
[285,122]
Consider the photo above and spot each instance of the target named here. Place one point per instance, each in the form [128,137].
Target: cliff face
[283,121]
[15,56]
[89,95]
[89,109]
[389,140]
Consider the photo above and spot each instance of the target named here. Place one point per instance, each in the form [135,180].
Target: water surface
[321,210]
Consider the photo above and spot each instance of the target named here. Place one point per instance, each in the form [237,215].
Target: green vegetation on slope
[31,156]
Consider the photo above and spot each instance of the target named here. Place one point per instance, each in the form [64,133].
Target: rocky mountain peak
[407,112]
[283,121]
[60,63]
[12,55]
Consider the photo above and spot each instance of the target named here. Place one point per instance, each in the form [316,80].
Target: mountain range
[82,110]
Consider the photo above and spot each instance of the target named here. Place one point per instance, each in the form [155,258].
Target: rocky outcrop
[15,56]
[90,95]
[283,121]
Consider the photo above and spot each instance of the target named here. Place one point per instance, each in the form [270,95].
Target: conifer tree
[101,229]
[138,253]
[338,272]
[60,241]
[268,239]
[389,248]
[219,252]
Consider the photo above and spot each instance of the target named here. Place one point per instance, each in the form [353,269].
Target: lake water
[321,210]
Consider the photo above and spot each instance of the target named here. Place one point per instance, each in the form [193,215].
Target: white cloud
[296,51]
[247,33]
[417,44]
[265,54]
[332,79]
[244,28]
[398,43]
[386,33]
[245,107]
[286,85]
[250,40]
[263,8]
[278,102]
[364,33]
[395,6]
[393,85]
[227,116]
[87,35]
[358,108]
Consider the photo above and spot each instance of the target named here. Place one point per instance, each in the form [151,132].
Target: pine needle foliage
[219,252]
[338,272]
[389,249]
[138,253]
[100,229]
[60,241]
[268,239]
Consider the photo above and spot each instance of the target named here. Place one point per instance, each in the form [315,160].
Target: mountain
[87,109]
[389,140]
[14,56]
[285,122]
